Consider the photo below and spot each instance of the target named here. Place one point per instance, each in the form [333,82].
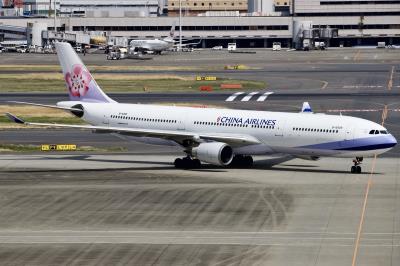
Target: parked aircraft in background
[157,46]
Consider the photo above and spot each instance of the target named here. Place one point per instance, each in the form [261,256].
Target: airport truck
[319,46]
[306,44]
[232,47]
[276,46]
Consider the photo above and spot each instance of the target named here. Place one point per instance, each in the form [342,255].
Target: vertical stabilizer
[80,83]
[306,108]
[172,31]
[171,36]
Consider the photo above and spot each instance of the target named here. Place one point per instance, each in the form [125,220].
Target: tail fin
[80,83]
[172,31]
[171,36]
[306,108]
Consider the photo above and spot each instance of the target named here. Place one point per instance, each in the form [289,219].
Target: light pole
[180,25]
[55,16]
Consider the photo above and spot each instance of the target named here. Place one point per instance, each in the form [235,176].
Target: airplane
[221,137]
[157,46]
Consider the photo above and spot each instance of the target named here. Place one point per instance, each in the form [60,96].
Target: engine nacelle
[216,153]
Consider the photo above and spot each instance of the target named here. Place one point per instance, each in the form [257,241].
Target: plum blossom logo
[78,81]
[218,119]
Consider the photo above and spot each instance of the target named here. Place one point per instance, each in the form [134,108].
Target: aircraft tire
[358,169]
[353,169]
[196,163]
[178,163]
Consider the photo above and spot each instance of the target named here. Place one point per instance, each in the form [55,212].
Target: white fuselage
[303,134]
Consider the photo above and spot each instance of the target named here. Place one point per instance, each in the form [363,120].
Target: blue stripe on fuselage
[361,144]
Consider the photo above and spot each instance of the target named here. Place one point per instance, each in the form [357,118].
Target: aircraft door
[106,119]
[181,124]
[348,136]
[279,128]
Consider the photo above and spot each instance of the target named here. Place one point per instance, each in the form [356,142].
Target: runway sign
[58,147]
[206,78]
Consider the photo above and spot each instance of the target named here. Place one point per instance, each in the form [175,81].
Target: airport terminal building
[361,22]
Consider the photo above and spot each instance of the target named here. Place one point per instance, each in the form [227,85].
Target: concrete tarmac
[136,209]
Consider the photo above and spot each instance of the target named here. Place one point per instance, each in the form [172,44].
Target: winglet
[15,119]
[306,108]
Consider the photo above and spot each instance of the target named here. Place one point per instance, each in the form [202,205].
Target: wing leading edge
[179,136]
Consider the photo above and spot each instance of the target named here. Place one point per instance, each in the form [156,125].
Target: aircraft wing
[188,44]
[176,135]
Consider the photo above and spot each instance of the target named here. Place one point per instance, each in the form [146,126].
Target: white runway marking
[359,110]
[233,96]
[264,96]
[249,96]
[361,86]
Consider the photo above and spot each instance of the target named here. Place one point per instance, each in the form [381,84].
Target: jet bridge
[306,35]
[78,38]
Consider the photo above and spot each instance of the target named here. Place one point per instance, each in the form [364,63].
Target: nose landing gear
[356,168]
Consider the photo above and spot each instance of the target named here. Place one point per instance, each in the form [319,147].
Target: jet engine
[216,153]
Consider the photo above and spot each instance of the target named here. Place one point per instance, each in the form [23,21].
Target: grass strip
[53,82]
[46,119]
[93,68]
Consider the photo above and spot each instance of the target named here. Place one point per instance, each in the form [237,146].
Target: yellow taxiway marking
[360,226]
[384,114]
[390,82]
[364,207]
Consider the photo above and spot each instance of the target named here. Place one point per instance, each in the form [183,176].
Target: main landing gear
[238,161]
[242,161]
[356,168]
[187,163]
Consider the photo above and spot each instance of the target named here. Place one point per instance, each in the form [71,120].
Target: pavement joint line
[219,243]
[199,232]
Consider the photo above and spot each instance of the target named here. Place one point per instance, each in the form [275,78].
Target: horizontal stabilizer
[50,106]
[15,119]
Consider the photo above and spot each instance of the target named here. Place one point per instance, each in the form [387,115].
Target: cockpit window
[376,132]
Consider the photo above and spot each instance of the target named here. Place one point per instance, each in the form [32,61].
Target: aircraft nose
[393,140]
[388,141]
[385,141]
